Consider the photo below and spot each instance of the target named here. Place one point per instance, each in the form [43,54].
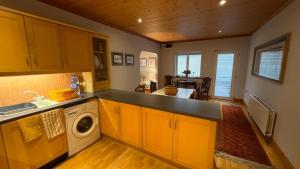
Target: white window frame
[187,61]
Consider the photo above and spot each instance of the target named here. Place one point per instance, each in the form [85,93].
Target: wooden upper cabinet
[14,53]
[44,45]
[194,142]
[109,117]
[130,124]
[158,132]
[75,49]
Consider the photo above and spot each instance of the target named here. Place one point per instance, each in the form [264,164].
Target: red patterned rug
[237,138]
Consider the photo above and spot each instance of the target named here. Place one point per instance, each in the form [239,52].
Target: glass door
[100,60]
[224,72]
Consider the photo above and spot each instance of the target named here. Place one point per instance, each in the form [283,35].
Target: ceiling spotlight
[140,20]
[219,31]
[222,2]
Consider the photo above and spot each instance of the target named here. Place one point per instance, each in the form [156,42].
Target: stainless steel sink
[9,110]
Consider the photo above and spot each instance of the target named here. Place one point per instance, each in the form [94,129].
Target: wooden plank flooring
[110,154]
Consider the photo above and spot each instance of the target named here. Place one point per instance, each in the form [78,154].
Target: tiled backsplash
[12,87]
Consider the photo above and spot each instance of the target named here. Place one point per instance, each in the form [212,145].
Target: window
[269,59]
[190,62]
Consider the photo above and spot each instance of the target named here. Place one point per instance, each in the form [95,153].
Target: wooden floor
[110,154]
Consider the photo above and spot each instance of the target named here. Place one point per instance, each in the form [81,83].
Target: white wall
[148,74]
[283,97]
[122,77]
[208,49]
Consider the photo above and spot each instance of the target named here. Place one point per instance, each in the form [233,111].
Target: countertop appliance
[82,124]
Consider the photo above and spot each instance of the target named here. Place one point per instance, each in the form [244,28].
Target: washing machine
[82,125]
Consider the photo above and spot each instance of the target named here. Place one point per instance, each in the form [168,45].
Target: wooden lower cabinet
[185,140]
[130,124]
[3,159]
[33,154]
[194,142]
[109,118]
[158,132]
[121,121]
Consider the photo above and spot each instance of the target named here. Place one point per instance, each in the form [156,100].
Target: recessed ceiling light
[222,2]
[140,20]
[219,31]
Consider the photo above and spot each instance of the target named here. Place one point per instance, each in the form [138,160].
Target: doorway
[224,74]
[148,68]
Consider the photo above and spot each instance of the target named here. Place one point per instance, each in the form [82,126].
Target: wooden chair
[202,93]
[168,80]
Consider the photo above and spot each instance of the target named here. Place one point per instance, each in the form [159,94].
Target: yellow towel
[53,123]
[30,128]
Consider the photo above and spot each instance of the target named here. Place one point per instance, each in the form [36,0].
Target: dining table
[182,93]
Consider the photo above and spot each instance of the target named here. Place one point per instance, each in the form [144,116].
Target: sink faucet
[38,96]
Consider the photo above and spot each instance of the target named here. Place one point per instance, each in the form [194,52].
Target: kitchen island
[179,130]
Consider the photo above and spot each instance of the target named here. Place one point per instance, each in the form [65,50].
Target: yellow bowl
[170,90]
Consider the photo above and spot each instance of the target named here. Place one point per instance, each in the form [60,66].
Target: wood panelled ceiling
[177,20]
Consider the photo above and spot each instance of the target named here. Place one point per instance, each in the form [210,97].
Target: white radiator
[262,115]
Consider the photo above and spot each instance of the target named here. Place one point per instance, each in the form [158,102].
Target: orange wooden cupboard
[33,154]
[13,44]
[194,142]
[44,45]
[121,121]
[3,160]
[158,132]
[185,140]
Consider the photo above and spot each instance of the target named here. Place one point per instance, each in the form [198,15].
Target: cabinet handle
[36,62]
[119,109]
[175,125]
[115,109]
[27,62]
[170,123]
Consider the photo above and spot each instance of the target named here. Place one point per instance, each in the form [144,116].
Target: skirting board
[284,158]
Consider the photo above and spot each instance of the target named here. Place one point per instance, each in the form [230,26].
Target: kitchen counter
[189,107]
[16,116]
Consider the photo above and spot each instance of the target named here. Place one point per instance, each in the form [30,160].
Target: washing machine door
[84,125]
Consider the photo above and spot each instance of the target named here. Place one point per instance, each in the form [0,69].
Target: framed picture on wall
[152,63]
[270,59]
[117,58]
[129,59]
[143,62]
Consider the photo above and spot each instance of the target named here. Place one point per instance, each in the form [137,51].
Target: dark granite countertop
[189,107]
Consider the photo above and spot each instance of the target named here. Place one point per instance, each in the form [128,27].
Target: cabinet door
[109,117]
[44,45]
[158,132]
[3,159]
[194,142]
[14,54]
[130,124]
[33,154]
[75,49]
